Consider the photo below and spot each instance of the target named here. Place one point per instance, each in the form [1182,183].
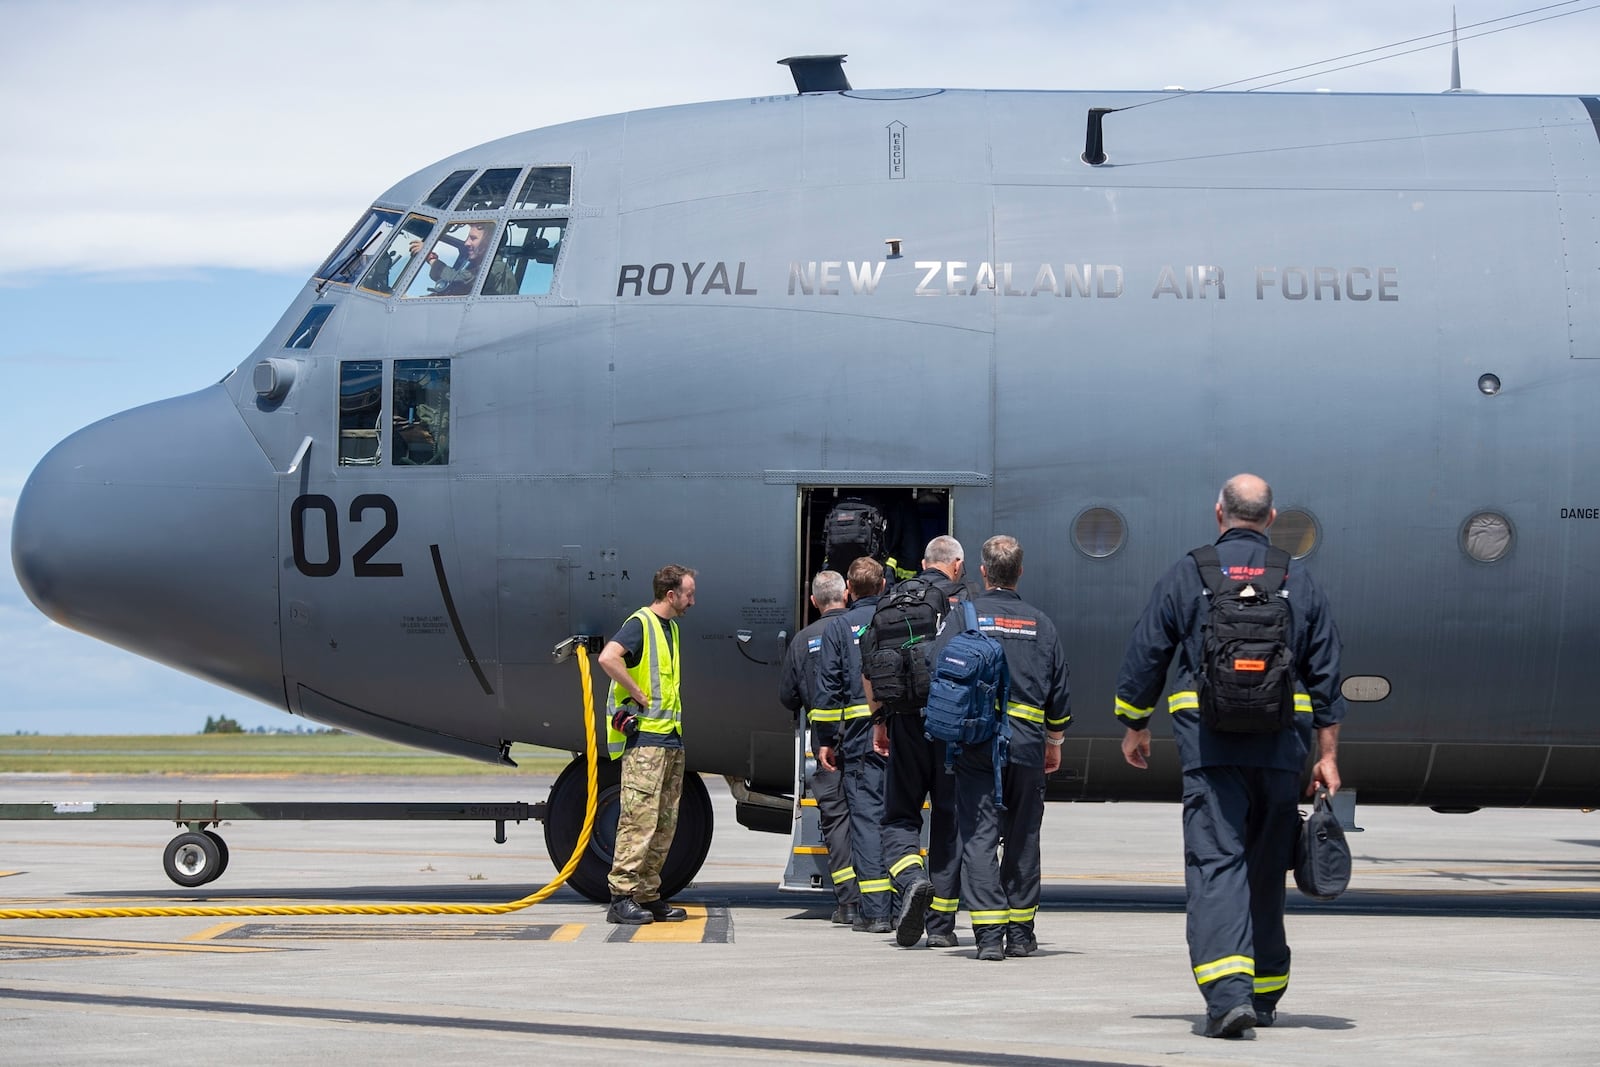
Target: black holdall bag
[1321,855]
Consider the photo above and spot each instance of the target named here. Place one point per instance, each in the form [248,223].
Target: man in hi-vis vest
[645,730]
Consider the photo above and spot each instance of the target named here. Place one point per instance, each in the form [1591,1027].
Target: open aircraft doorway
[911,516]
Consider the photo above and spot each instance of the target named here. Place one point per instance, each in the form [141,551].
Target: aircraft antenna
[1455,54]
[1094,143]
[817,74]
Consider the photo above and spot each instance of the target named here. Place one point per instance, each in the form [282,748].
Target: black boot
[846,914]
[662,912]
[914,900]
[625,911]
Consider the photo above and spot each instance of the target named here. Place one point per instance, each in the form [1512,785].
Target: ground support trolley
[199,855]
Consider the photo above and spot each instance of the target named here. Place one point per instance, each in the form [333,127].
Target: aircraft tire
[192,859]
[564,821]
[222,853]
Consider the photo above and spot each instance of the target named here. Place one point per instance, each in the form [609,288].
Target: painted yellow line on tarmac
[568,932]
[211,932]
[690,931]
[136,946]
[8,874]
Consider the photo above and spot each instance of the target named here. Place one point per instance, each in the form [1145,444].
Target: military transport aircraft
[538,370]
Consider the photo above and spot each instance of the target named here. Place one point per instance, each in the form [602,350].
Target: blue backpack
[967,697]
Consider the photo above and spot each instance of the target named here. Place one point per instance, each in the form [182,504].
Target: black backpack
[894,645]
[852,529]
[1247,672]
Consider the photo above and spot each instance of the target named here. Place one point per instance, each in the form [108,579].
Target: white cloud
[164,135]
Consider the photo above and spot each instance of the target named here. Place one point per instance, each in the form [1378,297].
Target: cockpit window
[421,412]
[526,261]
[360,407]
[490,191]
[389,264]
[451,265]
[305,334]
[546,187]
[350,258]
[446,190]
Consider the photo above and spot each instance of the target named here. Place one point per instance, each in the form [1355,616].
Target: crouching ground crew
[798,690]
[1258,670]
[1040,708]
[843,735]
[916,764]
[646,731]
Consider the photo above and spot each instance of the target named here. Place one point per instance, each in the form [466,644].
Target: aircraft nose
[156,530]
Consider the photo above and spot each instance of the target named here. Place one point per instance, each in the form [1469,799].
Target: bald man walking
[1240,789]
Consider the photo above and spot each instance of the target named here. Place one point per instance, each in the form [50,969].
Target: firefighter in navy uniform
[842,731]
[1240,790]
[929,896]
[1040,709]
[797,691]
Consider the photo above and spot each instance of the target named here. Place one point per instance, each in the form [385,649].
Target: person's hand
[825,758]
[1325,773]
[1136,748]
[1052,758]
[624,721]
[880,738]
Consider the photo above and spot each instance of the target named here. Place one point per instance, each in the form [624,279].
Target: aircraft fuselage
[1388,306]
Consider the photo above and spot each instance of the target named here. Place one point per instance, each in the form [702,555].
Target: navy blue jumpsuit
[1240,791]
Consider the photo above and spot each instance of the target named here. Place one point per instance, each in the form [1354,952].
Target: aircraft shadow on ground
[1581,903]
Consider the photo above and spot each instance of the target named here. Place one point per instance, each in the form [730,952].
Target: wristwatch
[1054,740]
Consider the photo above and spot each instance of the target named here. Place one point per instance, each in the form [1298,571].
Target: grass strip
[264,754]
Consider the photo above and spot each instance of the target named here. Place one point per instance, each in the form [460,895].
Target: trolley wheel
[192,859]
[222,853]
[690,842]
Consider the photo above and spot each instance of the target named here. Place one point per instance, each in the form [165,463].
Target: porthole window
[1365,687]
[1487,536]
[1099,532]
[1295,532]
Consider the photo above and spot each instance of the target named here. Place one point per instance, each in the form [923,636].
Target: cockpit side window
[446,190]
[421,412]
[490,191]
[546,187]
[389,264]
[526,261]
[350,258]
[360,408]
[451,266]
[305,334]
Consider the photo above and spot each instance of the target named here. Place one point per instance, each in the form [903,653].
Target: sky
[176,170]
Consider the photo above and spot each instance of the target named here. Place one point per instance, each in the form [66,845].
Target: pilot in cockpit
[472,247]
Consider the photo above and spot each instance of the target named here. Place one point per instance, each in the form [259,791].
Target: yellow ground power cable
[371,909]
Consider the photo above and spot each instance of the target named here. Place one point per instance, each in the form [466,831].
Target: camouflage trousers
[652,783]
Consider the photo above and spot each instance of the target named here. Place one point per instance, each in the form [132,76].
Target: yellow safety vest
[656,675]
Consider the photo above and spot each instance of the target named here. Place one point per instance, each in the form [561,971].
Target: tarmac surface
[1465,939]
